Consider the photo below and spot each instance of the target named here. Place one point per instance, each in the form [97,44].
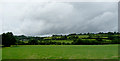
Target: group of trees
[112,38]
[8,39]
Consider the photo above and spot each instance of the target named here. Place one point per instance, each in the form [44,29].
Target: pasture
[0,53]
[61,41]
[61,52]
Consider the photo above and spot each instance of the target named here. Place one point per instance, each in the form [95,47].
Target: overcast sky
[59,18]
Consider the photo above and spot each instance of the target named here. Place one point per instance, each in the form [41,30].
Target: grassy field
[0,53]
[61,52]
[66,41]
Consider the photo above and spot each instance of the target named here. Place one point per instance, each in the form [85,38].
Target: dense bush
[33,42]
[8,39]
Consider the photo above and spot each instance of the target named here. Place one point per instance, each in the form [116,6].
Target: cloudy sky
[58,17]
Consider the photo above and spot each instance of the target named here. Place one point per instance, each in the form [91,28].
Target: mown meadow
[61,52]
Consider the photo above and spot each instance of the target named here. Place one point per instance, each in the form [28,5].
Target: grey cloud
[56,18]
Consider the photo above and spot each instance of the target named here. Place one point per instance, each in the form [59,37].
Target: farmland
[61,52]
[71,46]
[71,39]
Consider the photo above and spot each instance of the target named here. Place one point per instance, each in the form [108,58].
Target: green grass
[83,36]
[61,52]
[66,41]
[0,53]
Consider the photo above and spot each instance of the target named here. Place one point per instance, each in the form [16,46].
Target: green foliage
[33,42]
[71,39]
[20,42]
[8,39]
[85,42]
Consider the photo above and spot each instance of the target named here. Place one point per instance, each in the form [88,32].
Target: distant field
[61,52]
[66,41]
[83,36]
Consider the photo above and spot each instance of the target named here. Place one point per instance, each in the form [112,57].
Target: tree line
[9,39]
